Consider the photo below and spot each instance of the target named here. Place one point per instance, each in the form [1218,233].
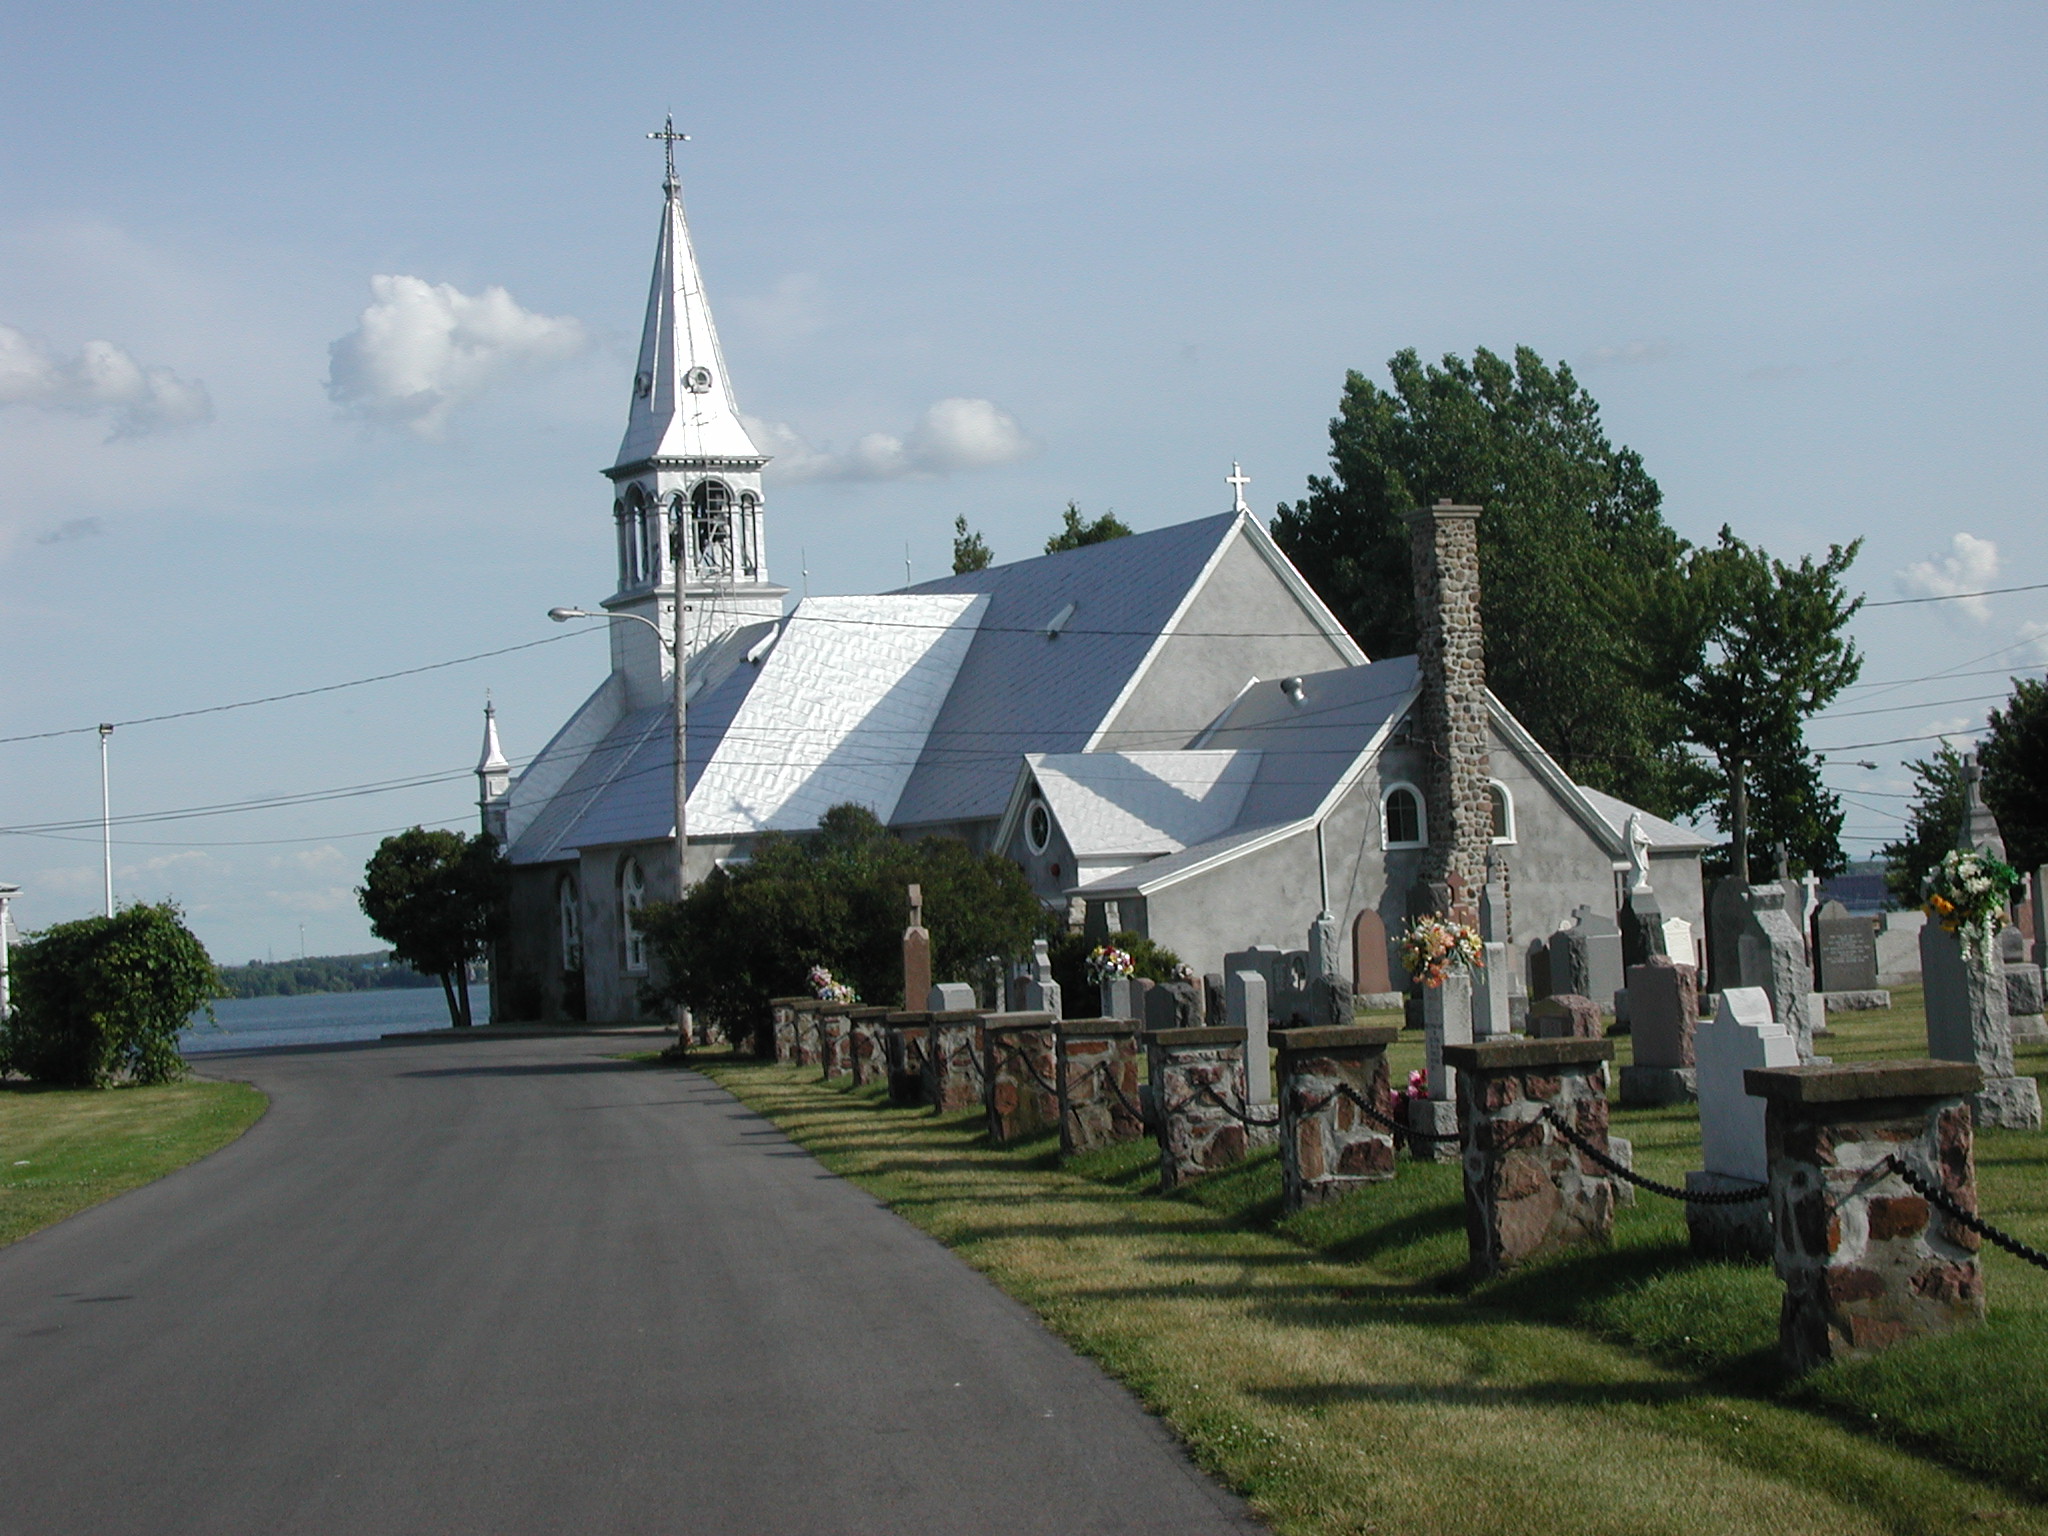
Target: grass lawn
[1334,1367]
[63,1149]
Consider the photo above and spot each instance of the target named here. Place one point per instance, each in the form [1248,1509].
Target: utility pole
[106,819]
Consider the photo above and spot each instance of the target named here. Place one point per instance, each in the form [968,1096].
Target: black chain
[1015,1054]
[1136,1112]
[1668,1191]
[1384,1121]
[1232,1110]
[1977,1224]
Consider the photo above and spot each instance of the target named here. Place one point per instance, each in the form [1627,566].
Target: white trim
[1223,716]
[1421,839]
[1507,811]
[1025,781]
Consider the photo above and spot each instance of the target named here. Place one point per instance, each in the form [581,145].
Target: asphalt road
[513,1286]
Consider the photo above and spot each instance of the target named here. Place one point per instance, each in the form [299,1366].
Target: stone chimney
[1450,722]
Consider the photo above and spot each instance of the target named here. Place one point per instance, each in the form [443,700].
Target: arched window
[632,897]
[1038,826]
[636,536]
[750,534]
[711,527]
[1401,817]
[1503,805]
[570,916]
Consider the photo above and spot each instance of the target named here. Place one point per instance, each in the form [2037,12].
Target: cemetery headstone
[2039,881]
[1120,999]
[1322,947]
[1370,972]
[2023,1004]
[951,997]
[1565,1016]
[1727,916]
[1642,928]
[1743,1036]
[1446,1022]
[1491,1017]
[1663,1010]
[1967,1020]
[1041,992]
[917,953]
[1269,960]
[1678,942]
[1846,949]
[1585,956]
[1245,1009]
[1773,957]
[1213,1004]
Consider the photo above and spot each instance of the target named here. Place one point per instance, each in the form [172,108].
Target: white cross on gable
[1237,480]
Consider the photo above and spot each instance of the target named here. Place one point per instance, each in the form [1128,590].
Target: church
[1169,732]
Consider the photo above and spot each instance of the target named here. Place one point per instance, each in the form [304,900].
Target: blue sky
[1795,252]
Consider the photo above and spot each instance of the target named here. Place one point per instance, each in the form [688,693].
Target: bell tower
[687,499]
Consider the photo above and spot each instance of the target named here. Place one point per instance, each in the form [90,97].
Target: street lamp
[682,784]
[106,820]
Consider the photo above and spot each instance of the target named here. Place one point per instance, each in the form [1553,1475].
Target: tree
[104,998]
[2014,755]
[1574,554]
[438,899]
[834,897]
[1934,822]
[970,549]
[1763,650]
[1076,531]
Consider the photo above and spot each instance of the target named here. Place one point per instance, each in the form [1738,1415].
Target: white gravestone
[1490,1014]
[951,997]
[1041,992]
[1967,1021]
[1245,1008]
[1741,1036]
[1446,1020]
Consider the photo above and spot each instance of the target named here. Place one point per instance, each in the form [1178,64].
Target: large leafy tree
[104,998]
[1762,649]
[1574,554]
[438,899]
[2014,755]
[1933,823]
[834,897]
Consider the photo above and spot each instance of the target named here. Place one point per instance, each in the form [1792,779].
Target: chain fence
[1668,1191]
[1940,1198]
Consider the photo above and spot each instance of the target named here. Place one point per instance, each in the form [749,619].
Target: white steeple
[688,475]
[493,775]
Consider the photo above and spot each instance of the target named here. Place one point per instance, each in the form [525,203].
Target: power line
[1893,709]
[1957,597]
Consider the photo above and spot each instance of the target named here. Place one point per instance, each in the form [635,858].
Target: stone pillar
[782,1012]
[1967,1021]
[953,1050]
[1197,1135]
[1528,1191]
[1867,1263]
[869,1046]
[1098,1084]
[1446,1022]
[1327,1145]
[1663,1011]
[1450,714]
[1020,1066]
[835,1042]
[1773,957]
[1245,1010]
[809,1049]
[906,1035]
[1741,1037]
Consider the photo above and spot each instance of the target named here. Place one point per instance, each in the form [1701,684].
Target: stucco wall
[1242,624]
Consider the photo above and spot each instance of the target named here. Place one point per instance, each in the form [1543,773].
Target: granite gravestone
[917,953]
[1245,1008]
[1846,948]
[1663,1005]
[1773,959]
[1585,957]
[1041,992]
[1742,1036]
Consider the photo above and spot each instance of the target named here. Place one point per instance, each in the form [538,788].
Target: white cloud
[1971,565]
[953,435]
[2034,632]
[1628,354]
[421,349]
[102,378]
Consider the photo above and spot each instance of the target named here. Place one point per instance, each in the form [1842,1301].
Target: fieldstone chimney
[1451,712]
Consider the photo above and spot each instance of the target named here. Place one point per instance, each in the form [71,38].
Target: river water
[321,1018]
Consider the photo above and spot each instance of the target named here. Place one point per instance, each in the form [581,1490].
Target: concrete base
[1652,1087]
[2029,1028]
[1733,1232]
[2013,1102]
[1379,1002]
[1439,1117]
[1856,1002]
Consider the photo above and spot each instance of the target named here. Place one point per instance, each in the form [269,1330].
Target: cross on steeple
[670,138]
[1237,480]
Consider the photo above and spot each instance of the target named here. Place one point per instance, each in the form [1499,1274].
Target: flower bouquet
[1107,963]
[1967,894]
[826,990]
[1432,945]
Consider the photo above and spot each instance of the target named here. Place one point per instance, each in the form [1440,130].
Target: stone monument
[1245,1009]
[1846,950]
[1041,992]
[1585,957]
[917,953]
[1773,959]
[1446,1021]
[1663,1009]
[1741,1037]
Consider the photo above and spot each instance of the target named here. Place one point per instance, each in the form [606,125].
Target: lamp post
[106,820]
[682,783]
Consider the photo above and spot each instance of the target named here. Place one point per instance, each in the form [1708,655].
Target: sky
[317,328]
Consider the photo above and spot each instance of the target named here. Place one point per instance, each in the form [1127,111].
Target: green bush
[1070,953]
[836,898]
[102,999]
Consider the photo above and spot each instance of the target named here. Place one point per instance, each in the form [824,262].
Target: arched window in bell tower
[750,535]
[637,572]
[625,543]
[711,529]
[650,541]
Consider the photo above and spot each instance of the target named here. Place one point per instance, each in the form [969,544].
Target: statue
[1638,854]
